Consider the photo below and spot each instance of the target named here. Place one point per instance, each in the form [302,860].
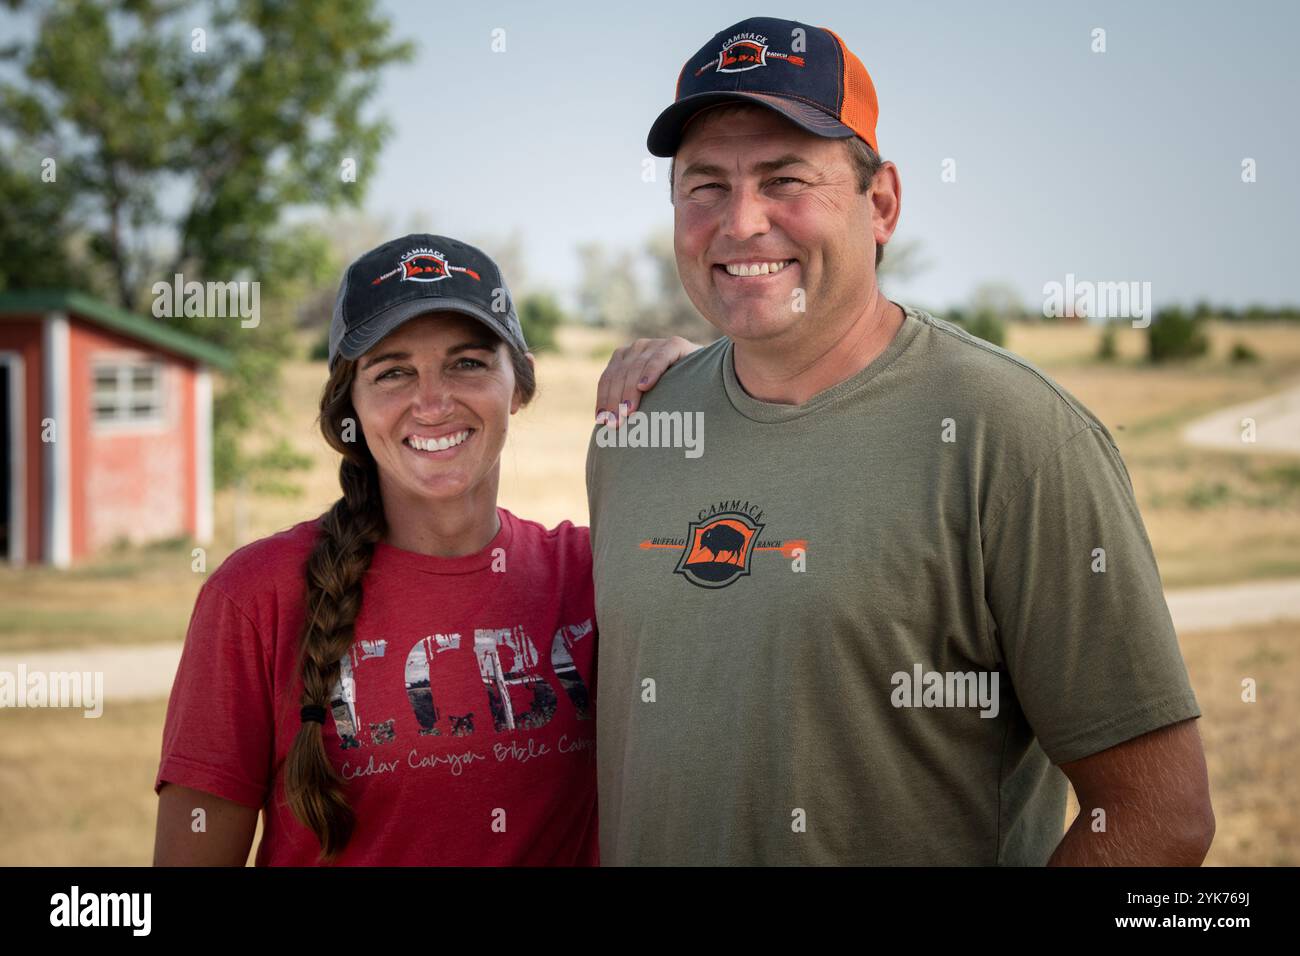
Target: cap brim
[666,133]
[361,339]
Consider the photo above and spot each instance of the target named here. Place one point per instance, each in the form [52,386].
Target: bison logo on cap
[718,550]
[746,52]
[425,265]
[743,55]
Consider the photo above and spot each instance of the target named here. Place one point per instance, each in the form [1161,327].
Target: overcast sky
[1122,165]
[1114,166]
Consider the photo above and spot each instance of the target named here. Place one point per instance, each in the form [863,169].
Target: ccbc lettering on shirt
[466,691]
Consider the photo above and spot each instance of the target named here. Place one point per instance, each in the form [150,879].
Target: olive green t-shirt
[864,629]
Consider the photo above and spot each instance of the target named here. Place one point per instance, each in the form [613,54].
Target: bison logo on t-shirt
[718,550]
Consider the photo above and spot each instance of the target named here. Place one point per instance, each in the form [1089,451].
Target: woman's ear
[517,401]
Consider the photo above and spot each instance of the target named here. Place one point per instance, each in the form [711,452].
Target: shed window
[128,392]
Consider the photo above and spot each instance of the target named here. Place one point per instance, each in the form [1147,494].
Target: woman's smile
[440,447]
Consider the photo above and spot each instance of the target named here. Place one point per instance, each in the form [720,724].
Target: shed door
[6,460]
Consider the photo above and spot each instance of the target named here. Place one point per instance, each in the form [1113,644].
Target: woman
[409,678]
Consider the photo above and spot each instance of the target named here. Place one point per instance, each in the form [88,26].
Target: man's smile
[756,273]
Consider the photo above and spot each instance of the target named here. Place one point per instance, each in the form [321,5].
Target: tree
[901,263]
[179,133]
[668,311]
[999,300]
[539,316]
[980,323]
[608,293]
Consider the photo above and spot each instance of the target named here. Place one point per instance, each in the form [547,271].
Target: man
[906,579]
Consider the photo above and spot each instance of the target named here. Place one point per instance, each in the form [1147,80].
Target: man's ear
[517,400]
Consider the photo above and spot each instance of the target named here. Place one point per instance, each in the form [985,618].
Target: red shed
[105,428]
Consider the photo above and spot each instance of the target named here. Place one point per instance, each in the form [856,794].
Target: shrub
[1174,334]
[1241,352]
[988,327]
[1106,349]
[320,349]
[980,323]
[539,316]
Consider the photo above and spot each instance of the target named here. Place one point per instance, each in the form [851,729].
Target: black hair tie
[313,712]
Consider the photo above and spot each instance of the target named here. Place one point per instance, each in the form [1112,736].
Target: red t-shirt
[463,719]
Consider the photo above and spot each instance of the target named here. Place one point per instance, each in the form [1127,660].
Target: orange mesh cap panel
[860,110]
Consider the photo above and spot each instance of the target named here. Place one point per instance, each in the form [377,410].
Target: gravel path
[145,671]
[1277,425]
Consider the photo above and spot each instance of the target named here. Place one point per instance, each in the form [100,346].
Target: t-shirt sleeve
[592,484]
[218,735]
[1078,608]
[579,605]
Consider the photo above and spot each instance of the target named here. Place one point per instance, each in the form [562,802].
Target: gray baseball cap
[412,276]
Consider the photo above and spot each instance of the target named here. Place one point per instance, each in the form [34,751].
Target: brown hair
[866,163]
[334,573]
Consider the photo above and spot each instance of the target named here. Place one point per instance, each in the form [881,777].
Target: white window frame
[124,363]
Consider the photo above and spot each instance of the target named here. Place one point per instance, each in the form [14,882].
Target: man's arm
[1155,792]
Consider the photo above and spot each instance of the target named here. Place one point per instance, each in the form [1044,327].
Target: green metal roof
[119,320]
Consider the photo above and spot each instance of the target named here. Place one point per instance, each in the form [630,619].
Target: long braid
[334,573]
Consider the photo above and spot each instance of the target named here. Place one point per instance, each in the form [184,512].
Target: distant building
[128,404]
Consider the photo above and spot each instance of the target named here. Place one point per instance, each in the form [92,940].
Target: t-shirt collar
[770,412]
[390,557]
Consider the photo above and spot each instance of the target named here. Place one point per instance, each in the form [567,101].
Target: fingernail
[643,381]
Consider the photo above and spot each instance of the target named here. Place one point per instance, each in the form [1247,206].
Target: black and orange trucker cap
[805,73]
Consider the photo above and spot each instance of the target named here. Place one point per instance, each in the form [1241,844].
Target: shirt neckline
[481,560]
[773,412]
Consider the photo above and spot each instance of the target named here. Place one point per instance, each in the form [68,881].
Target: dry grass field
[76,791]
[79,791]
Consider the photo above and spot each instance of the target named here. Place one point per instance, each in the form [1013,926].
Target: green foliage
[1175,335]
[1106,348]
[233,136]
[1283,478]
[981,323]
[668,310]
[1251,313]
[998,301]
[320,348]
[279,459]
[1242,353]
[32,258]
[1205,495]
[539,316]
[988,327]
[614,295]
